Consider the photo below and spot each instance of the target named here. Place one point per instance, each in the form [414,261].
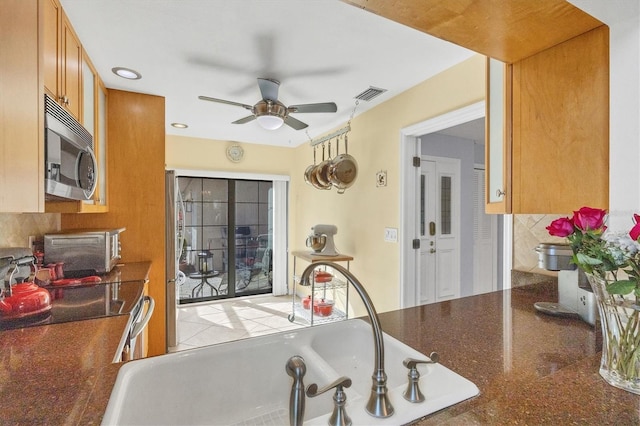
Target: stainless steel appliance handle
[137,329]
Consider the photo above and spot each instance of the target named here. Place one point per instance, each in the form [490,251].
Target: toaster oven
[84,252]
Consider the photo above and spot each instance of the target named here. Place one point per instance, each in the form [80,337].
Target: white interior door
[427,229]
[440,255]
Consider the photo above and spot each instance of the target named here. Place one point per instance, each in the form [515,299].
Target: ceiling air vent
[370,93]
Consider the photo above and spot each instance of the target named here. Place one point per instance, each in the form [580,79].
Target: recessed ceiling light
[179,125]
[126,73]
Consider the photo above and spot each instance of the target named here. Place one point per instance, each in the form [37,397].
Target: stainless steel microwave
[70,169]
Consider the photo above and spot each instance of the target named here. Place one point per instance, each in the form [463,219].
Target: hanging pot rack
[337,133]
[340,171]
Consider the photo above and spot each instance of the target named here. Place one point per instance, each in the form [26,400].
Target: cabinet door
[561,127]
[498,138]
[71,69]
[89,85]
[52,14]
[100,196]
[21,103]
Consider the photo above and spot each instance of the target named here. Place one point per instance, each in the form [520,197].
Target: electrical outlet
[391,235]
[32,242]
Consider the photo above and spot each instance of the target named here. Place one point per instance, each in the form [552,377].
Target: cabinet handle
[500,193]
[65,100]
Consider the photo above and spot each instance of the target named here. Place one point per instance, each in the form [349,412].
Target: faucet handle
[341,382]
[412,362]
[413,394]
[339,416]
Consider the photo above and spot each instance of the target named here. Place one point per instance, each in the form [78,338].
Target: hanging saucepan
[312,175]
[309,171]
[343,170]
[321,171]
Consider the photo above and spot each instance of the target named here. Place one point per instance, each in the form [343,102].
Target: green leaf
[621,287]
[583,258]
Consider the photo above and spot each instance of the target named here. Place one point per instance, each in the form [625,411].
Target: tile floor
[234,319]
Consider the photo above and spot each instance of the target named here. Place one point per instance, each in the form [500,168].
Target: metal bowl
[316,242]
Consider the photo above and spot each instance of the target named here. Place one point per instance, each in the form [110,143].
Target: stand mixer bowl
[316,242]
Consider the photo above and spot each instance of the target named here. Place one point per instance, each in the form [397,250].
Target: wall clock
[235,153]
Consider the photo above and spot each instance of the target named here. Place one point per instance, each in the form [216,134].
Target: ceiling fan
[270,112]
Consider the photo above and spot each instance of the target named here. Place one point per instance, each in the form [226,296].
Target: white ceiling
[320,51]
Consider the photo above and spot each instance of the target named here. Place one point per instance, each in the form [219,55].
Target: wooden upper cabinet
[561,127]
[508,30]
[71,69]
[21,109]
[498,137]
[555,131]
[52,22]
[62,59]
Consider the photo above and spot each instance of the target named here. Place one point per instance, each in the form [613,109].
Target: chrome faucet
[378,404]
[413,394]
[296,368]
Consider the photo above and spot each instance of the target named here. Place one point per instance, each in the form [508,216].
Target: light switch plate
[391,235]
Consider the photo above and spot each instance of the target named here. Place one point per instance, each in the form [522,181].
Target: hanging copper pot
[320,176]
[309,171]
[343,170]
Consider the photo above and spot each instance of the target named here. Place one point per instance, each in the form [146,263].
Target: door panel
[428,279]
[440,228]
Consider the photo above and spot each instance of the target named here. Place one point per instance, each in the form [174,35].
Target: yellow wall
[362,213]
[207,154]
[364,210]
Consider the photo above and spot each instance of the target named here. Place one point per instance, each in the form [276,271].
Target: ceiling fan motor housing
[269,107]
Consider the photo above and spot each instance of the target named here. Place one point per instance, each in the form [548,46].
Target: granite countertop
[63,373]
[531,368]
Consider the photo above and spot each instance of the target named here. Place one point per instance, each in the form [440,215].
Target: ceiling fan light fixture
[269,114]
[270,122]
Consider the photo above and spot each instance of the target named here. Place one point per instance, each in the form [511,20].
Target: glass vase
[620,320]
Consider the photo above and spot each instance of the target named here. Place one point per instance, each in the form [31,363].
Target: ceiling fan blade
[245,120]
[294,123]
[269,88]
[222,101]
[322,107]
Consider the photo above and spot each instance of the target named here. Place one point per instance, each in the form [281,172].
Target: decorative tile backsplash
[15,228]
[529,231]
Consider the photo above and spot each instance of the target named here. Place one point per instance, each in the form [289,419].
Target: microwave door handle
[137,329]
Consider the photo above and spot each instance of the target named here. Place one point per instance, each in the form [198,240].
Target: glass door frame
[280,218]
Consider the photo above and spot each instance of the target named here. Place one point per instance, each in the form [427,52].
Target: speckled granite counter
[58,374]
[62,373]
[531,369]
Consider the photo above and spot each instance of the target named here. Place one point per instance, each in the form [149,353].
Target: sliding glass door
[226,232]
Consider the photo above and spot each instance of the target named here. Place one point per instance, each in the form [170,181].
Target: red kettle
[26,299]
[22,299]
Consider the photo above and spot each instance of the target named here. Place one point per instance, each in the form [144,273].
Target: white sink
[245,382]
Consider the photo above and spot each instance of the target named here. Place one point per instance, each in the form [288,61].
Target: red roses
[586,219]
[635,231]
